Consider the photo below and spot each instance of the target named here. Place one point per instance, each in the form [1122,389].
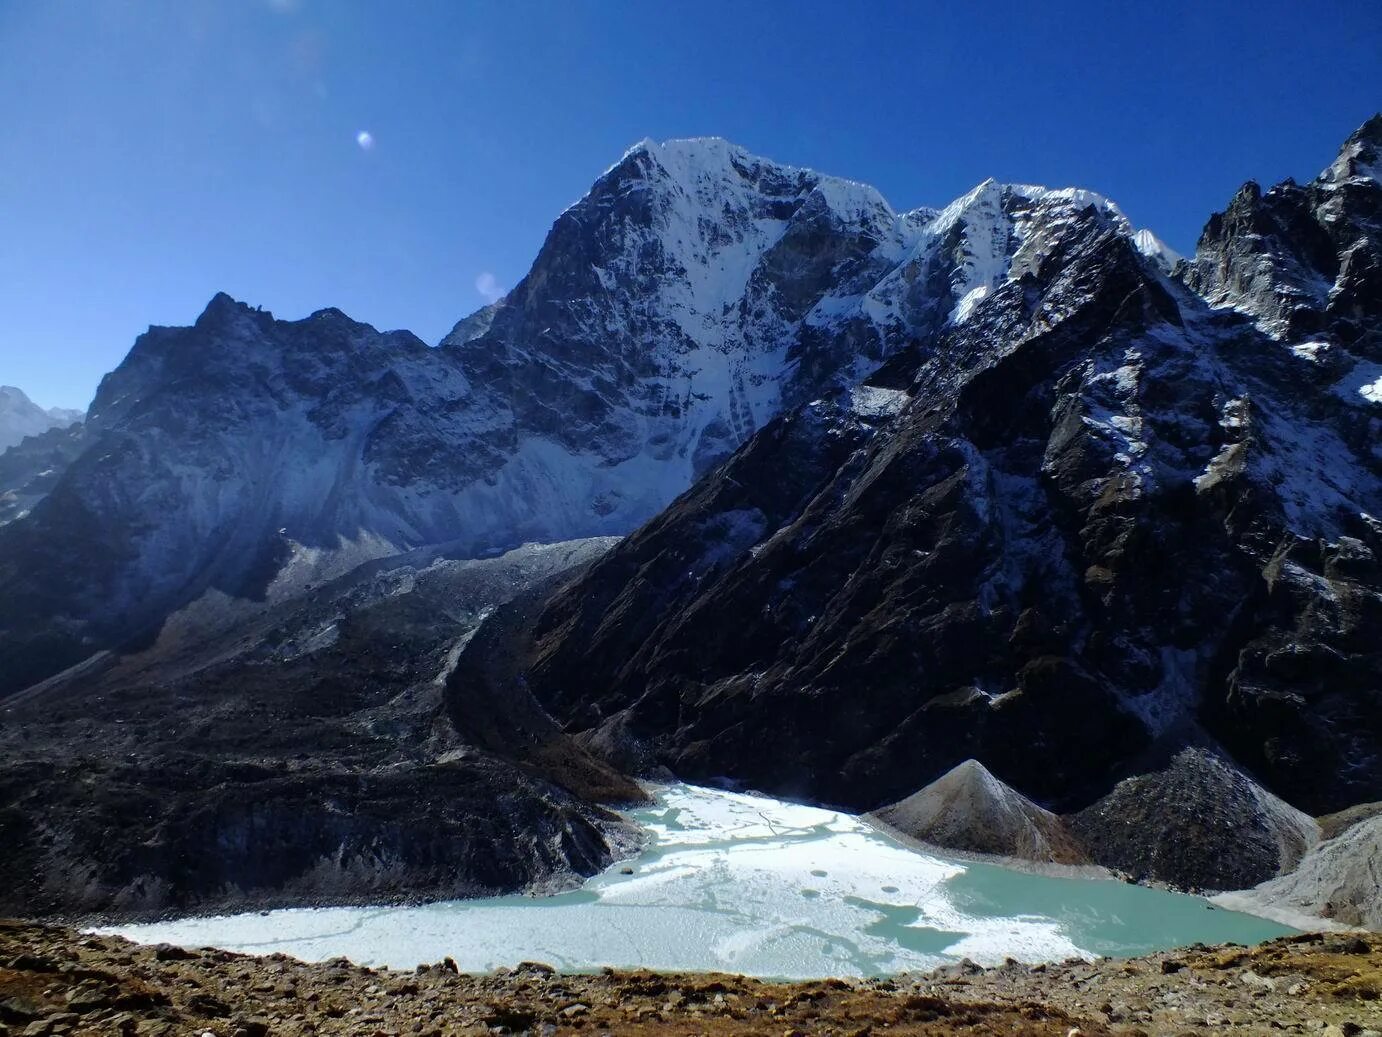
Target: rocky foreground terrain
[57,981]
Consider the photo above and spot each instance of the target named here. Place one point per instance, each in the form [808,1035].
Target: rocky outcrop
[1198,822]
[186,832]
[30,469]
[969,809]
[1336,824]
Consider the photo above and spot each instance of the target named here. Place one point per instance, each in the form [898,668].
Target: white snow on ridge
[1002,230]
[1366,381]
[708,172]
[966,305]
[1310,350]
[873,402]
[1156,250]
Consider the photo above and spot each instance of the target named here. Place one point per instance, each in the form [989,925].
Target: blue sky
[159,151]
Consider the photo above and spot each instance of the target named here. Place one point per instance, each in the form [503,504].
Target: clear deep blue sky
[158,152]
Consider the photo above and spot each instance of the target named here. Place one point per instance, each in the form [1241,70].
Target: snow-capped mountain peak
[1151,246]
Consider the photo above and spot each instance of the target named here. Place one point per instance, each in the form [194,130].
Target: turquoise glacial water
[746,884]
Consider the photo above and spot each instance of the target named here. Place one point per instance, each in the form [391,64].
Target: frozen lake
[745,884]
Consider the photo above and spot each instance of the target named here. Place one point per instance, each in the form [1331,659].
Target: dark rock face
[1301,686]
[1198,822]
[185,834]
[1302,690]
[1101,511]
[297,753]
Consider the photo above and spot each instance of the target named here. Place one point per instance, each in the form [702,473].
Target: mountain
[1101,512]
[693,293]
[256,559]
[21,417]
[1006,481]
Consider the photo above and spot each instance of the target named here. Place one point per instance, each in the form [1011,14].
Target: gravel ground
[58,981]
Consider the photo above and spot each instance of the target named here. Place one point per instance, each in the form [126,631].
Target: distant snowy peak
[960,254]
[241,359]
[1160,253]
[1003,230]
[701,164]
[723,212]
[672,311]
[21,417]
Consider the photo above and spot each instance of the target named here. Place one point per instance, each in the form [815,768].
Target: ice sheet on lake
[747,884]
